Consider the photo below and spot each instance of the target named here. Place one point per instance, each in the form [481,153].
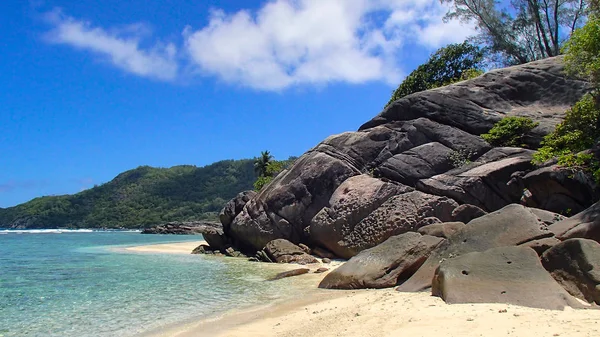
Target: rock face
[384,265]
[233,208]
[575,264]
[585,225]
[283,251]
[184,228]
[511,275]
[420,158]
[510,226]
[365,211]
[442,230]
[466,212]
[559,189]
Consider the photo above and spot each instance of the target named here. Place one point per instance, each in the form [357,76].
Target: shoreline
[185,247]
[374,312]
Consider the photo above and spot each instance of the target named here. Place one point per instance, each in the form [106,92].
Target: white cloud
[121,47]
[289,42]
[285,43]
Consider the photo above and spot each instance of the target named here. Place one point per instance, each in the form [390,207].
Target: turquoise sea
[81,284]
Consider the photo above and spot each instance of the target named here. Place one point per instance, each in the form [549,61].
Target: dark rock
[233,208]
[183,228]
[541,245]
[305,248]
[511,275]
[325,260]
[413,143]
[321,270]
[428,221]
[290,273]
[538,90]
[547,217]
[365,211]
[483,183]
[262,256]
[584,225]
[285,207]
[466,213]
[384,265]
[442,230]
[229,252]
[201,249]
[324,253]
[575,264]
[283,251]
[510,226]
[558,189]
[215,238]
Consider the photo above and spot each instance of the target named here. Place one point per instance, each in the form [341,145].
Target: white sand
[386,312]
[167,248]
[383,312]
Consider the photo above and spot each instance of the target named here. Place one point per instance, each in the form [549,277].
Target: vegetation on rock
[267,169]
[509,131]
[580,129]
[453,63]
[139,198]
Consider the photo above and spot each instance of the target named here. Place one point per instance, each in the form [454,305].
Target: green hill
[139,198]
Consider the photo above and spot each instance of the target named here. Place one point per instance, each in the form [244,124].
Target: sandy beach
[167,248]
[382,312]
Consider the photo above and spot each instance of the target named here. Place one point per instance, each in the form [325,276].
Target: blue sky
[90,89]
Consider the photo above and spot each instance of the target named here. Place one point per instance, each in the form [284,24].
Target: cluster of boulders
[417,199]
[183,228]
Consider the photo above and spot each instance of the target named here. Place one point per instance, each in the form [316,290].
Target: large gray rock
[575,264]
[442,230]
[511,275]
[466,213]
[414,142]
[365,211]
[233,208]
[560,189]
[538,90]
[585,225]
[285,207]
[283,251]
[510,226]
[485,182]
[384,265]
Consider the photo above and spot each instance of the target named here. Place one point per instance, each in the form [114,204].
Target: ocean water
[81,284]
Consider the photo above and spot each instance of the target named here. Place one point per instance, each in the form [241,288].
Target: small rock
[326,260]
[290,273]
[321,270]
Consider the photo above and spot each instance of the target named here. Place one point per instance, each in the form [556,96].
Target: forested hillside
[138,198]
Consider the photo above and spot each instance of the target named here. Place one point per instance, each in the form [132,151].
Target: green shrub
[261,182]
[509,131]
[577,132]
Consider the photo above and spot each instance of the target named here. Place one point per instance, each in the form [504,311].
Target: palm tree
[261,163]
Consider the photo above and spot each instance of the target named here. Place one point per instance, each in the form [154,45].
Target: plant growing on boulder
[580,130]
[509,131]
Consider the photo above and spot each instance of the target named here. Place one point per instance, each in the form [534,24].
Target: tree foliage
[273,168]
[138,198]
[520,31]
[447,65]
[509,131]
[262,163]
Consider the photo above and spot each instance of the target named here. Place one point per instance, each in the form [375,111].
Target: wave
[47,231]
